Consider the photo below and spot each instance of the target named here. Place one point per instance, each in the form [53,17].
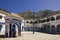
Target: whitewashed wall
[2,21]
[22,24]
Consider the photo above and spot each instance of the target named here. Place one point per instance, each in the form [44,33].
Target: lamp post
[33,28]
[33,21]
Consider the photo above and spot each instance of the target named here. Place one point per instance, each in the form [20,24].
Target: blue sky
[17,6]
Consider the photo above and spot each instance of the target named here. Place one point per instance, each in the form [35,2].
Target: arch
[38,21]
[58,28]
[52,28]
[12,31]
[27,21]
[18,25]
[47,28]
[1,16]
[58,17]
[19,28]
[41,21]
[52,18]
[35,21]
[48,19]
[44,20]
[43,28]
[15,29]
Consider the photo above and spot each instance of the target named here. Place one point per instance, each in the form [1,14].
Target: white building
[5,17]
[50,24]
[2,22]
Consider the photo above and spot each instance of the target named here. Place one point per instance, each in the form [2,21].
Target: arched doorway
[43,28]
[53,29]
[58,28]
[12,30]
[48,28]
[18,28]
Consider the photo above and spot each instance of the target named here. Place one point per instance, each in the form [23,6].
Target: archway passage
[19,28]
[12,31]
[13,28]
[53,29]
[58,28]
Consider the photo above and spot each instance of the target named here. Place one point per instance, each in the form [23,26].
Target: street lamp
[33,17]
[33,21]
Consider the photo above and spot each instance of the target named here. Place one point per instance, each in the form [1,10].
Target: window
[0,17]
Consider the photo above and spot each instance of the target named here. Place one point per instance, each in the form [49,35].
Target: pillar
[19,28]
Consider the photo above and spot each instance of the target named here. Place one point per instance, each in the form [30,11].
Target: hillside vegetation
[39,14]
[35,15]
[5,10]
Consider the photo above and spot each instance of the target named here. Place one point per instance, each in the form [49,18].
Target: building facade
[10,24]
[50,24]
[2,22]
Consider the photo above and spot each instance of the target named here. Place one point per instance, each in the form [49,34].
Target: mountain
[39,14]
[28,15]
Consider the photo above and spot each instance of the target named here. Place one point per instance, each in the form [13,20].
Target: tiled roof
[17,16]
[11,15]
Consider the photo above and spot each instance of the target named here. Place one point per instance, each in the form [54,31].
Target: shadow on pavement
[2,36]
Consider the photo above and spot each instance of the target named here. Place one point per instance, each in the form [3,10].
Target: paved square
[36,36]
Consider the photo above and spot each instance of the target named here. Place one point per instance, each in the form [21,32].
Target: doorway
[58,28]
[53,29]
[12,31]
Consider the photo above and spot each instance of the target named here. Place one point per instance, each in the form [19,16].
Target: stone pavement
[36,36]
